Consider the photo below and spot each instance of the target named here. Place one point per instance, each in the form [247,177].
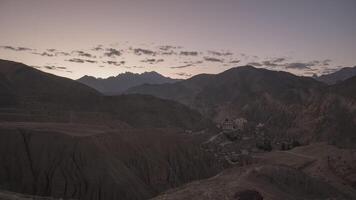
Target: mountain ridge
[338,76]
[115,85]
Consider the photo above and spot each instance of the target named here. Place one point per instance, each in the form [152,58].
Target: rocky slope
[318,171]
[97,162]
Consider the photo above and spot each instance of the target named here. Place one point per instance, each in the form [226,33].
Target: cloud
[79,60]
[168,53]
[210,59]
[279,60]
[76,60]
[188,64]
[115,63]
[52,50]
[111,52]
[168,47]
[256,64]
[183,74]
[98,48]
[91,61]
[84,54]
[235,61]
[269,63]
[52,67]
[152,61]
[45,54]
[62,53]
[189,53]
[138,67]
[16,48]
[298,65]
[140,51]
[326,62]
[216,53]
[182,66]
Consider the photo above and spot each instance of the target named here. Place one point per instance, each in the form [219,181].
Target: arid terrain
[246,133]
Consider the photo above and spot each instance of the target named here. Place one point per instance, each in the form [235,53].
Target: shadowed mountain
[120,83]
[62,139]
[31,86]
[346,88]
[241,85]
[48,96]
[338,76]
[288,106]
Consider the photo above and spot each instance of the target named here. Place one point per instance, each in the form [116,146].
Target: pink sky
[308,36]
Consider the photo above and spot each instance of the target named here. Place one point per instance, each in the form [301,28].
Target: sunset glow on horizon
[178,39]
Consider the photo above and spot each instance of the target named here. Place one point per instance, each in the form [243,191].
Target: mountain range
[61,139]
[122,82]
[288,106]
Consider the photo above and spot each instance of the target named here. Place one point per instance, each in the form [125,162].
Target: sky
[178,38]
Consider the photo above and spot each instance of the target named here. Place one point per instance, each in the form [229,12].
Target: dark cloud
[140,51]
[16,48]
[91,61]
[188,64]
[52,50]
[182,66]
[45,54]
[216,53]
[168,53]
[61,53]
[269,63]
[210,59]
[279,60]
[168,47]
[184,74]
[298,65]
[76,60]
[326,62]
[138,67]
[116,63]
[235,61]
[84,54]
[306,65]
[256,64]
[98,48]
[189,53]
[111,52]
[52,67]
[152,61]
[79,60]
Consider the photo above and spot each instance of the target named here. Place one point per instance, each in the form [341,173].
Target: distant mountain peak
[120,83]
[338,76]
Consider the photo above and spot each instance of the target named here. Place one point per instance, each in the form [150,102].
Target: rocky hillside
[317,171]
[120,83]
[98,162]
[289,107]
[31,95]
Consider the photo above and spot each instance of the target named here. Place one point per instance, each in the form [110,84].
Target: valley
[245,133]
